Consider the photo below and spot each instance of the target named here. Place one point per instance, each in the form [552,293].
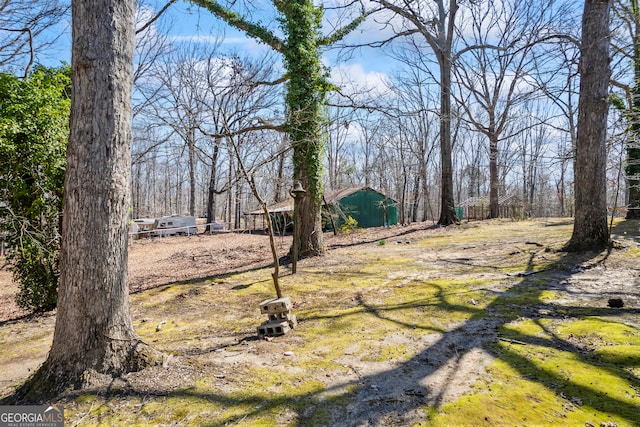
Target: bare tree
[338,165]
[495,79]
[559,82]
[152,46]
[371,127]
[471,157]
[418,116]
[23,24]
[436,21]
[177,105]
[236,101]
[590,225]
[531,143]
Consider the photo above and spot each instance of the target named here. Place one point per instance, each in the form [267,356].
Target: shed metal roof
[331,197]
[509,200]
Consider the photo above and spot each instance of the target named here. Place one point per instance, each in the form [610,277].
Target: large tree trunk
[590,224]
[307,208]
[94,333]
[632,168]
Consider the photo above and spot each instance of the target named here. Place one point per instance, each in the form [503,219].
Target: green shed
[370,208]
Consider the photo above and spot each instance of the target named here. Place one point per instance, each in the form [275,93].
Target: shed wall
[369,208]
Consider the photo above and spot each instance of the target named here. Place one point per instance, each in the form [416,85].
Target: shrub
[34,128]
[349,225]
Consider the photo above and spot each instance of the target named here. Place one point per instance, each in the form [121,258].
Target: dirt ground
[154,262]
[160,261]
[446,365]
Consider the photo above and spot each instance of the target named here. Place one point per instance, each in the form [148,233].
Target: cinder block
[276,306]
[284,317]
[271,329]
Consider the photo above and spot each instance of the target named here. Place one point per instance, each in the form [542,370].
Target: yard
[486,323]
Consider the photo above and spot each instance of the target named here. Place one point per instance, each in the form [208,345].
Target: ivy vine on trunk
[307,89]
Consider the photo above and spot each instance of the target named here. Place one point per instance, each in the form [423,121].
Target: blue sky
[191,23]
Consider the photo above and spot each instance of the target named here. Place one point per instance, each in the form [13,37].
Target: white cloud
[353,79]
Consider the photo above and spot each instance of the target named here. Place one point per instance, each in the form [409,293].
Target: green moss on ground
[379,306]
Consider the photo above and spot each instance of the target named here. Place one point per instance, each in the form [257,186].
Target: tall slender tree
[436,22]
[496,77]
[590,223]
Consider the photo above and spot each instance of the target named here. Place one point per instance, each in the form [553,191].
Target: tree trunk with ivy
[590,224]
[305,100]
[94,335]
[307,86]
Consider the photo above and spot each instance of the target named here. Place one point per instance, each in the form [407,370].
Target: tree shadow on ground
[380,399]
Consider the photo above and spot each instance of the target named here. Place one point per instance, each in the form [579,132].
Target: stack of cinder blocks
[280,320]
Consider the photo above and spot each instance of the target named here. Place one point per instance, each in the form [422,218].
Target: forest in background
[514,96]
[514,100]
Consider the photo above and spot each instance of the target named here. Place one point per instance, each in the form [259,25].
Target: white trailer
[141,228]
[172,225]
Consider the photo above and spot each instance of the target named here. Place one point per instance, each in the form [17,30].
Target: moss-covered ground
[483,324]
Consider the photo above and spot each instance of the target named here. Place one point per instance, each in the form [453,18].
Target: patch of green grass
[533,385]
[620,355]
[508,399]
[600,332]
[613,342]
[534,381]
[385,353]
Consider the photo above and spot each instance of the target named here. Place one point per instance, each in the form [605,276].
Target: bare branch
[272,83]
[229,133]
[342,32]
[155,18]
